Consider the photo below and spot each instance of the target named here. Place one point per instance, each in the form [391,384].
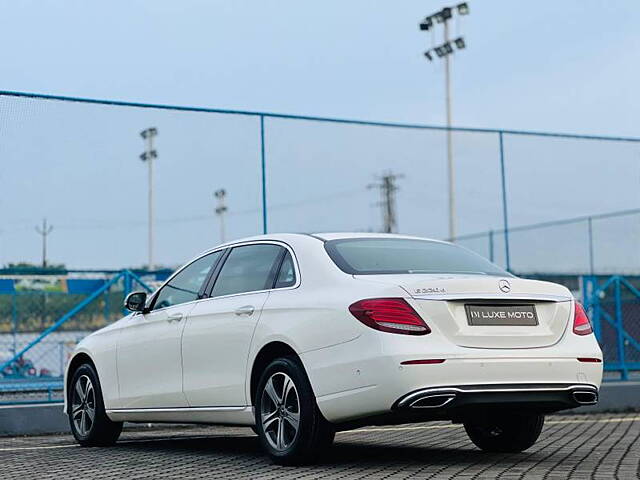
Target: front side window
[367,256]
[249,268]
[185,286]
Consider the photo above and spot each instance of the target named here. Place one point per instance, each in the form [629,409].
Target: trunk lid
[443,301]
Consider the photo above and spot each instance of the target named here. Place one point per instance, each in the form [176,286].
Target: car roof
[349,235]
[323,236]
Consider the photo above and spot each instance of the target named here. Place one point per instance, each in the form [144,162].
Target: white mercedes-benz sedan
[299,336]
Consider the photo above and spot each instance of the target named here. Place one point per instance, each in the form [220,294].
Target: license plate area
[501,315]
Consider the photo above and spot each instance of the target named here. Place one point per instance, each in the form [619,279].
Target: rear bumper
[365,378]
[458,403]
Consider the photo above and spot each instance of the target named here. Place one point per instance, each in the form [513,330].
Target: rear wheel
[290,426]
[89,422]
[505,433]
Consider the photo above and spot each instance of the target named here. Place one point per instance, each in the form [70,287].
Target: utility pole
[221,208]
[444,51]
[44,231]
[149,156]
[388,188]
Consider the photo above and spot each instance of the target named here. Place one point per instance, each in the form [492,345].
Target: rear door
[219,330]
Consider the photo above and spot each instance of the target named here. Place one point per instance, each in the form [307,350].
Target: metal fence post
[264,176]
[590,226]
[491,256]
[61,347]
[105,307]
[624,375]
[14,321]
[591,301]
[127,288]
[505,217]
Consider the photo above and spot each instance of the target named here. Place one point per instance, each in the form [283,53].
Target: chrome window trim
[278,243]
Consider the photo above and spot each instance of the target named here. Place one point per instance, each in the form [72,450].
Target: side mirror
[136,301]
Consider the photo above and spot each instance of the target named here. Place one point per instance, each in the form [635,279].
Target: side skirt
[213,415]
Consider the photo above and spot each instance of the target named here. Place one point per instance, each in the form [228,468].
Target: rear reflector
[392,315]
[589,360]
[581,323]
[429,361]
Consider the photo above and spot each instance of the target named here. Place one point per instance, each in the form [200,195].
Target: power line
[207,217]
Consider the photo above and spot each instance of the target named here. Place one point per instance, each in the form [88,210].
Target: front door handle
[246,310]
[174,317]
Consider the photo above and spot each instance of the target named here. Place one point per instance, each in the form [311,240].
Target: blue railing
[613,305]
[612,302]
[32,373]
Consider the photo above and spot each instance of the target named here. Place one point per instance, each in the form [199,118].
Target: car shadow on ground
[343,453]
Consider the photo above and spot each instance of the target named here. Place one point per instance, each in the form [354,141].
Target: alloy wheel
[280,411]
[83,405]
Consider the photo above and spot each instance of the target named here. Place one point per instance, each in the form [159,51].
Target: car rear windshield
[369,256]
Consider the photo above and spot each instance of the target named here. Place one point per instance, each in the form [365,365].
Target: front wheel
[89,422]
[288,422]
[507,433]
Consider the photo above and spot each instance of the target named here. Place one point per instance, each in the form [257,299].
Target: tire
[508,433]
[284,398]
[85,401]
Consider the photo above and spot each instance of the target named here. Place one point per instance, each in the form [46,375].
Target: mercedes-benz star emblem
[504,286]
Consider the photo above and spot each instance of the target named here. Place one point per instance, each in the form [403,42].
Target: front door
[149,358]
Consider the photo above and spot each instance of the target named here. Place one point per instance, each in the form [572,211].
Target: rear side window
[248,268]
[287,273]
[368,256]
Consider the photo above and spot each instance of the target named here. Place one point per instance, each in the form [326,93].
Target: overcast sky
[570,66]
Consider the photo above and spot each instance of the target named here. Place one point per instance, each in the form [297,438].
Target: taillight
[393,315]
[581,323]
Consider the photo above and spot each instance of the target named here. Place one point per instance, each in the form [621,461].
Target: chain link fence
[76,162]
[42,319]
[72,159]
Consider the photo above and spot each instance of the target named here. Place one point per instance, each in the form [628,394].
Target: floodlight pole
[450,167]
[445,50]
[149,156]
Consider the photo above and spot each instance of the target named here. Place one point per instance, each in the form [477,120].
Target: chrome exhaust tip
[435,400]
[585,397]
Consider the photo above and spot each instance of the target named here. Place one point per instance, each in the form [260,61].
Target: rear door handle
[246,310]
[174,317]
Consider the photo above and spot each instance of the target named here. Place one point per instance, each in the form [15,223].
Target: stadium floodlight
[444,51]
[149,132]
[426,24]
